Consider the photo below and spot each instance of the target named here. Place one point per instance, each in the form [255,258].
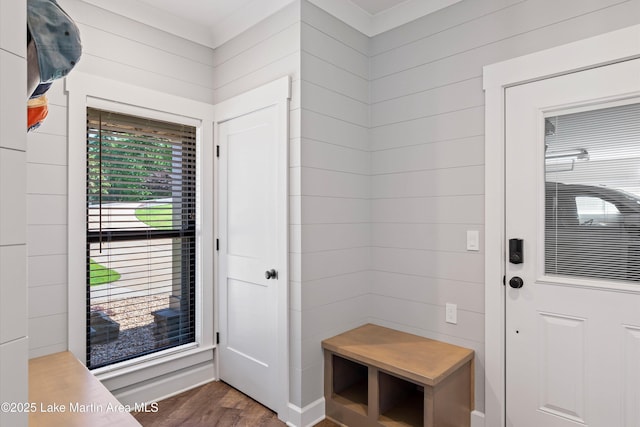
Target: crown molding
[224,29]
[372,25]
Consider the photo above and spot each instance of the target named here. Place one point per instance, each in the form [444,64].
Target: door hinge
[217,151]
[504,280]
[217,337]
[217,244]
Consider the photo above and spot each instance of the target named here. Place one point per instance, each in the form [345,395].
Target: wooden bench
[64,393]
[375,376]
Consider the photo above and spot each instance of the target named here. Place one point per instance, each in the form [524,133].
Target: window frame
[185,230]
[91,91]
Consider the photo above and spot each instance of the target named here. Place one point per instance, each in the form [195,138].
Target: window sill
[153,366]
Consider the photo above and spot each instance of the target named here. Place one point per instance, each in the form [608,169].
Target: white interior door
[573,197]
[251,253]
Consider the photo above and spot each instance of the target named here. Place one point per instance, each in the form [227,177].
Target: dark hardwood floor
[214,404]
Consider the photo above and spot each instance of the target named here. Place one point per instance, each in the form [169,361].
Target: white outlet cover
[451,313]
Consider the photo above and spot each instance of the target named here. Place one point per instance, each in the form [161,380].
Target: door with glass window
[573,250]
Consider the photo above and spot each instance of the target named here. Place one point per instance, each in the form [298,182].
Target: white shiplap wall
[427,142]
[116,48]
[13,236]
[47,229]
[336,185]
[263,53]
[386,157]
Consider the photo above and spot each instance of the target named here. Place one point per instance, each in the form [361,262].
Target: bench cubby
[376,376]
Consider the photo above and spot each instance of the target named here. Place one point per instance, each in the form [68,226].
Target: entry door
[573,291]
[250,254]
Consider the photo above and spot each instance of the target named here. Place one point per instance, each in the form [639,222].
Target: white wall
[13,236]
[427,142]
[335,176]
[265,52]
[116,48]
[126,51]
[386,157]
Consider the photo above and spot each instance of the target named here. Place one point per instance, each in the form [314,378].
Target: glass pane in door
[592,193]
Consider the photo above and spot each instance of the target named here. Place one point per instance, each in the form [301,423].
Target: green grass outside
[100,275]
[158,217]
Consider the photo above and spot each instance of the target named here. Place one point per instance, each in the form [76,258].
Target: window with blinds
[592,221]
[141,217]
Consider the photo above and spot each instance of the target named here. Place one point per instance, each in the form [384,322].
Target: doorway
[252,244]
[572,323]
[549,307]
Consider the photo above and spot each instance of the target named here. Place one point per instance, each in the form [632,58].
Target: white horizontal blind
[141,207]
[592,226]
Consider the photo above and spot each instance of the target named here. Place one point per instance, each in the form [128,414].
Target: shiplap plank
[440,182]
[318,71]
[12,197]
[320,182]
[329,316]
[125,73]
[337,53]
[13,83]
[13,293]
[470,325]
[46,179]
[427,210]
[46,240]
[46,148]
[122,50]
[322,155]
[508,22]
[428,290]
[468,64]
[47,270]
[46,209]
[87,14]
[13,38]
[320,127]
[332,26]
[263,30]
[444,126]
[334,210]
[48,300]
[326,237]
[334,104]
[48,331]
[319,265]
[330,290]
[433,237]
[452,16]
[251,78]
[436,264]
[436,155]
[458,96]
[273,49]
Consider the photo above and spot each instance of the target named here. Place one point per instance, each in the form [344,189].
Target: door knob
[271,274]
[516,282]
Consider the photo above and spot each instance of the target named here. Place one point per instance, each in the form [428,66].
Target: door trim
[593,52]
[277,93]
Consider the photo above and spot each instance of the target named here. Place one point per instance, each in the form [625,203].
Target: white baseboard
[308,416]
[477,419]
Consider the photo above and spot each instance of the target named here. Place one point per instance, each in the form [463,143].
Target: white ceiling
[213,22]
[376,6]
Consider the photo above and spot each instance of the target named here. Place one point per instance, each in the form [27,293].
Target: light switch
[473,240]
